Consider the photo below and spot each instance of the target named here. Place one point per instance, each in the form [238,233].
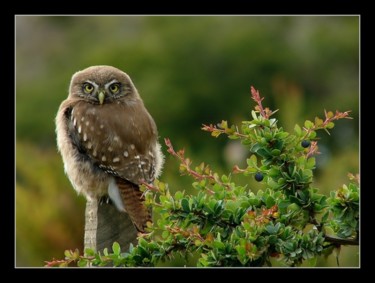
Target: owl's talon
[104,199]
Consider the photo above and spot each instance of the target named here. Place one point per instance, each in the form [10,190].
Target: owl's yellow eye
[114,88]
[88,88]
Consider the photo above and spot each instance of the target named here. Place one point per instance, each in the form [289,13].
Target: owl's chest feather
[116,139]
[113,124]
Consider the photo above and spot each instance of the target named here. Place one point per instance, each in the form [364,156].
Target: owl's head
[102,84]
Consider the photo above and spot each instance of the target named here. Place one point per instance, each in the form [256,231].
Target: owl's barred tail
[133,200]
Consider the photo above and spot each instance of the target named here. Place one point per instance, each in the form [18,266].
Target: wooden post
[105,225]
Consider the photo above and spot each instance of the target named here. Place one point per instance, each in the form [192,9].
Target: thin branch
[150,187]
[256,97]
[339,241]
[329,117]
[217,131]
[185,162]
[313,149]
[265,112]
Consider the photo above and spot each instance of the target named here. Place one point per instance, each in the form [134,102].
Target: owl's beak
[101,96]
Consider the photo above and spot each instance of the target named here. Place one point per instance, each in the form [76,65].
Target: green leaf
[142,251]
[282,135]
[223,124]
[297,129]
[312,135]
[250,170]
[254,201]
[165,234]
[178,195]
[82,263]
[309,124]
[246,142]
[215,133]
[318,121]
[272,229]
[76,254]
[283,205]
[68,254]
[116,248]
[142,243]
[264,153]
[250,127]
[273,172]
[161,187]
[219,245]
[330,114]
[254,114]
[272,184]
[273,122]
[325,217]
[105,251]
[270,201]
[185,205]
[255,147]
[293,206]
[63,264]
[301,160]
[302,195]
[233,137]
[241,250]
[310,163]
[281,181]
[89,252]
[330,125]
[292,170]
[252,161]
[224,179]
[307,173]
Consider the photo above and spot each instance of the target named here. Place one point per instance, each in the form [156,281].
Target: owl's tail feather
[133,200]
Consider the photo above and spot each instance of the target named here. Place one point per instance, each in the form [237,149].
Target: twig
[265,112]
[186,164]
[329,117]
[339,241]
[211,128]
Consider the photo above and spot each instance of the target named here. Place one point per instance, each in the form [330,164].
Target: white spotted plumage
[108,140]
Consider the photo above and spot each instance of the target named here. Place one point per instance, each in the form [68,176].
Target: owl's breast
[114,124]
[116,139]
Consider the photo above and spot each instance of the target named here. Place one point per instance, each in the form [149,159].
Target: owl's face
[101,85]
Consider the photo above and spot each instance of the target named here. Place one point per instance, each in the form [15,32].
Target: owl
[108,140]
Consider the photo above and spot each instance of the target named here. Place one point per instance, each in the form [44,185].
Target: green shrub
[227,224]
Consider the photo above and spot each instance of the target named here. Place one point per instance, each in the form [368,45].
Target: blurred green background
[189,70]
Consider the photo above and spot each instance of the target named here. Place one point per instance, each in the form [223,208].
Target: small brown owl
[108,140]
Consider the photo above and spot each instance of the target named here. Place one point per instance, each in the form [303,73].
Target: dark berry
[259,177]
[305,143]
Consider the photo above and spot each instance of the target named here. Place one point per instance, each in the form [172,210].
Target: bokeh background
[189,70]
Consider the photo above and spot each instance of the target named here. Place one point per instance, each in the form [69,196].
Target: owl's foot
[104,200]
